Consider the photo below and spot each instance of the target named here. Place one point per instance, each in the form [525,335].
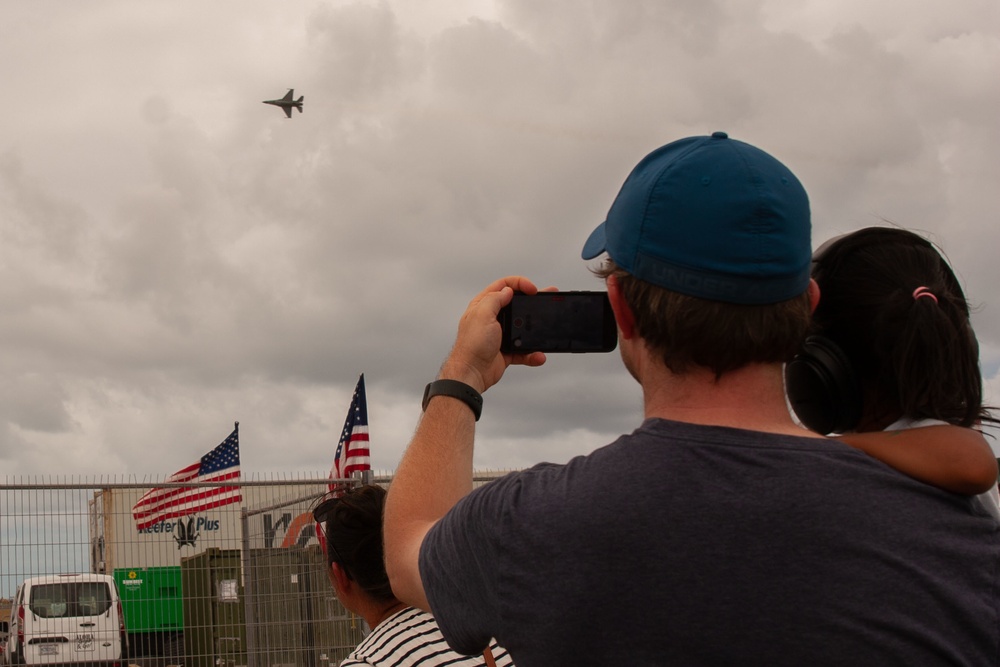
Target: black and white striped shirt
[411,638]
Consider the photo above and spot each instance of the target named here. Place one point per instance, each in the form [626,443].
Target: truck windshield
[70,599]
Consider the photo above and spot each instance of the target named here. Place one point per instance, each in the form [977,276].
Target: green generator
[152,602]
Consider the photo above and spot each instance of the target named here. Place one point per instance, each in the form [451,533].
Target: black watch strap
[455,389]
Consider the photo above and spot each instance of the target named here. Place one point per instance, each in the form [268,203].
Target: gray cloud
[176,256]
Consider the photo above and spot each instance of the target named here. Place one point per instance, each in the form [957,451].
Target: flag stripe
[165,493]
[158,497]
[198,500]
[226,496]
[222,464]
[188,500]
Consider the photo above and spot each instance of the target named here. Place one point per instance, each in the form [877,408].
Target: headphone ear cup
[823,388]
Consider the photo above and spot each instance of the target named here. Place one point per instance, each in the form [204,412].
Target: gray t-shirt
[690,545]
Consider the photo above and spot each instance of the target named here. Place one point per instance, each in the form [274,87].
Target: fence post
[250,606]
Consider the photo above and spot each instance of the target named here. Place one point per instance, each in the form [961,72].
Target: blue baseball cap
[714,218]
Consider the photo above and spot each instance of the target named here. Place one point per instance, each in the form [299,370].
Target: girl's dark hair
[353,527]
[914,356]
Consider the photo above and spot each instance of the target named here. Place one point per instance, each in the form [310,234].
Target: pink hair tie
[923,291]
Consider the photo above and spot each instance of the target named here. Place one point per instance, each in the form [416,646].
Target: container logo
[187,534]
[132,580]
[184,531]
[299,531]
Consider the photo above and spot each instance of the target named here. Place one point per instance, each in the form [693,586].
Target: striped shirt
[411,637]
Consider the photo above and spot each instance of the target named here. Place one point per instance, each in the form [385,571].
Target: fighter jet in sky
[286,103]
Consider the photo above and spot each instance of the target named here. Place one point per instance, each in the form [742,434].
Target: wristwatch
[455,389]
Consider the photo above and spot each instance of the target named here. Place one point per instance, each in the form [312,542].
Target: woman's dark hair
[915,353]
[352,525]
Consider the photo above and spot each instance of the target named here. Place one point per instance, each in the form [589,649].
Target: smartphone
[558,322]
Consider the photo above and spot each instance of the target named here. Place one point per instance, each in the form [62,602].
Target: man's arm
[949,457]
[436,470]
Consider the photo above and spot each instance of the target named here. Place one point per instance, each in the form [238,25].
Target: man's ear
[813,295]
[623,313]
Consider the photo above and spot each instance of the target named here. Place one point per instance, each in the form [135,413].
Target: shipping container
[295,619]
[214,609]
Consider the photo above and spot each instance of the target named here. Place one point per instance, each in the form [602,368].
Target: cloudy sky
[176,256]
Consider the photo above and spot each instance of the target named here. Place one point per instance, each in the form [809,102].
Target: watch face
[427,395]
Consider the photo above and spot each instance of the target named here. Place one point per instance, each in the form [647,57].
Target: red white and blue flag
[352,450]
[222,464]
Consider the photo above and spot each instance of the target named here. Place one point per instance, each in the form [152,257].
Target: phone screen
[558,322]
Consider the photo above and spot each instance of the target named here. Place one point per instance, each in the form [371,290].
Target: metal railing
[241,584]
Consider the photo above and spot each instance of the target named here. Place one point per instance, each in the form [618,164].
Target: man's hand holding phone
[476,358]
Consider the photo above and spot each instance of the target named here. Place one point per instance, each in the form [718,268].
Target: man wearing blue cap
[744,538]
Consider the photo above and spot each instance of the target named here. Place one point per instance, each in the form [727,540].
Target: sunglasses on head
[320,514]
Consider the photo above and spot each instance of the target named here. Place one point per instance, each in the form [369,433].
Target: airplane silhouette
[286,102]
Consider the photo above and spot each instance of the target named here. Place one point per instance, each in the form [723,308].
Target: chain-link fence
[239,584]
[201,584]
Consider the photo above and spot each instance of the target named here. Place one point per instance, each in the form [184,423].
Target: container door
[214,610]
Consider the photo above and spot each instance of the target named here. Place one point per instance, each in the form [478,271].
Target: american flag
[352,450]
[222,464]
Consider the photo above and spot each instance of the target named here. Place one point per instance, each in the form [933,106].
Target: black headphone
[822,385]
[823,388]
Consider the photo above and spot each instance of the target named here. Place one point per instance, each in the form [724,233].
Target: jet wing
[288,111]
[288,97]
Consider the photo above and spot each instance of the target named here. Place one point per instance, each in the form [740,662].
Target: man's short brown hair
[687,331]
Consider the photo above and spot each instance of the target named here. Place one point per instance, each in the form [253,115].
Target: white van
[67,619]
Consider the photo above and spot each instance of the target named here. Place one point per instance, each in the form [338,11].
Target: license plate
[85,642]
[48,649]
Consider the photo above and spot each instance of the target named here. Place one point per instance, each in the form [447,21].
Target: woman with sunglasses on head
[350,531]
[895,352]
